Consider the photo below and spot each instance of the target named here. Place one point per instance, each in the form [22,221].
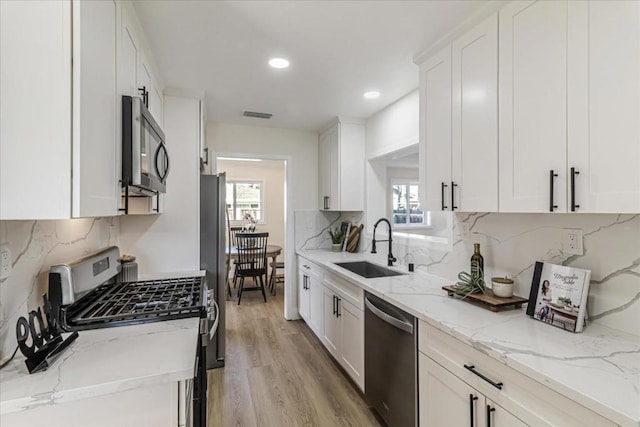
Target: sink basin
[367,270]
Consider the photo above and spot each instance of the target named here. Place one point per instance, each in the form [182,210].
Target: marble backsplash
[34,247]
[512,243]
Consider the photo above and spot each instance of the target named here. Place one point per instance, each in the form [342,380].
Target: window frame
[407,226]
[263,211]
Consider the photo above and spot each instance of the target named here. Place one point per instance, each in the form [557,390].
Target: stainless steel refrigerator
[212,256]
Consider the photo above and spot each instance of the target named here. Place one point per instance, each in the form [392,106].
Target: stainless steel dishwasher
[390,341]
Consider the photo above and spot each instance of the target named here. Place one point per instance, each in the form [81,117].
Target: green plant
[337,235]
[468,284]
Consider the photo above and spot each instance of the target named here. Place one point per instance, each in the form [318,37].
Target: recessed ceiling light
[279,63]
[373,94]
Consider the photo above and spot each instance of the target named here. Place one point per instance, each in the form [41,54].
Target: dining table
[272,253]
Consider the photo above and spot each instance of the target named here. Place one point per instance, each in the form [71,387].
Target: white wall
[171,241]
[271,173]
[300,150]
[394,128]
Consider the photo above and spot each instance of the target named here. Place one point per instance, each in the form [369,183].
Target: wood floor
[277,373]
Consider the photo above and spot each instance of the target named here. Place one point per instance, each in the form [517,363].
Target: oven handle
[405,326]
[214,328]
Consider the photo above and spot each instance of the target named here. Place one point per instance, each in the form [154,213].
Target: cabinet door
[316,299]
[497,416]
[95,142]
[329,169]
[35,110]
[330,324]
[474,147]
[303,296]
[533,106]
[352,320]
[445,400]
[128,53]
[604,105]
[351,162]
[435,132]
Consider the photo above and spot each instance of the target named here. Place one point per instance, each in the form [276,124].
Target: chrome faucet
[390,258]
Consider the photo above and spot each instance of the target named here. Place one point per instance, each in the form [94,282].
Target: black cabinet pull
[472,417]
[442,187]
[338,299]
[334,305]
[472,368]
[574,172]
[489,411]
[552,175]
[326,202]
[453,191]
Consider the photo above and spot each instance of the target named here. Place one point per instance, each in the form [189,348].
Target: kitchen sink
[367,270]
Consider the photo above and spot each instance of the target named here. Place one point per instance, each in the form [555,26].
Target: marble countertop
[598,368]
[105,361]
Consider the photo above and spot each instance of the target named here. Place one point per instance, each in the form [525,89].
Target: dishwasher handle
[397,323]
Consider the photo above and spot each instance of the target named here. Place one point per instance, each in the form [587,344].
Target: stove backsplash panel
[34,247]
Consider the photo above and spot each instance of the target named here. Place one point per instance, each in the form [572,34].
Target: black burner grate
[136,302]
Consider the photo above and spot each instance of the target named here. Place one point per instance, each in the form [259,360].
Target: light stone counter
[598,368]
[105,361]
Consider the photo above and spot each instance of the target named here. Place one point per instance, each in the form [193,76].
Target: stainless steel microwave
[145,159]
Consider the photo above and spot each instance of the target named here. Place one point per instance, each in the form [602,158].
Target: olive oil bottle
[477,262]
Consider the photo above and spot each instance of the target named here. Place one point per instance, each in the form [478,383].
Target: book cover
[559,295]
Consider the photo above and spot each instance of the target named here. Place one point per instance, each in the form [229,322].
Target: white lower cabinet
[332,311]
[460,386]
[445,400]
[352,340]
[331,330]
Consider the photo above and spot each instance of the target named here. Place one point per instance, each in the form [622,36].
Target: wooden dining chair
[252,261]
[234,244]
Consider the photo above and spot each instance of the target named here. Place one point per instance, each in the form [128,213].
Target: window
[244,198]
[405,205]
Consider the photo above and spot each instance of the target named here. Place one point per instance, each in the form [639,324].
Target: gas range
[84,294]
[137,302]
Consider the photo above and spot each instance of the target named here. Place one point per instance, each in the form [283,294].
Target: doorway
[257,199]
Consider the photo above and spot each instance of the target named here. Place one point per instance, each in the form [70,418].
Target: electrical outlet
[5,262]
[573,242]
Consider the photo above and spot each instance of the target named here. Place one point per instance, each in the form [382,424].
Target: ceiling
[338,50]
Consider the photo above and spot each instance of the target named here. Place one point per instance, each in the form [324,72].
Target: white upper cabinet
[604,106]
[59,114]
[435,132]
[474,139]
[533,106]
[341,167]
[459,123]
[35,110]
[95,143]
[570,106]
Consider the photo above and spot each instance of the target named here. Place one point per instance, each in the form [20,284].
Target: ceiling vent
[256,114]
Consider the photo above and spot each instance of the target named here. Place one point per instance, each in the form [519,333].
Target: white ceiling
[338,50]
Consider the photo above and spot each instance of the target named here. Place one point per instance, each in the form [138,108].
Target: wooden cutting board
[488,300]
[354,238]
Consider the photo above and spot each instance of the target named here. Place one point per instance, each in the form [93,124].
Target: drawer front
[349,291]
[310,269]
[526,398]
